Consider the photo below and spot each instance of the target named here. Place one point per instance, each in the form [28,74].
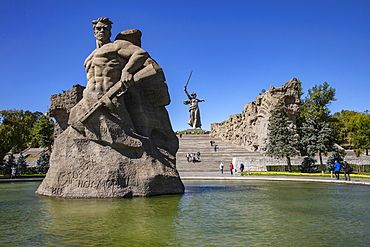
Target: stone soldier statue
[120,141]
[194,111]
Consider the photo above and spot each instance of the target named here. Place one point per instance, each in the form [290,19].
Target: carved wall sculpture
[61,105]
[250,127]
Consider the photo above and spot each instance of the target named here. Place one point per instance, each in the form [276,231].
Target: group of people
[192,157]
[345,167]
[232,168]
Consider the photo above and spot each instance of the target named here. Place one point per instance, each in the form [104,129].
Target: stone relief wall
[250,127]
[61,105]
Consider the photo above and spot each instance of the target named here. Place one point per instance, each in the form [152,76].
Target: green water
[210,213]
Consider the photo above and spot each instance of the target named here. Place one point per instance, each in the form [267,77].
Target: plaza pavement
[211,175]
[237,176]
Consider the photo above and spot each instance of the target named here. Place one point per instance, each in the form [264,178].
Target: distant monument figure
[194,120]
[120,141]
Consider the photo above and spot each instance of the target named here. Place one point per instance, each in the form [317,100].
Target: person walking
[188,157]
[241,167]
[14,172]
[194,158]
[198,156]
[347,170]
[231,167]
[222,168]
[337,169]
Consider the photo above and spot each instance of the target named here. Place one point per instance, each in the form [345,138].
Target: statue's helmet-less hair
[104,20]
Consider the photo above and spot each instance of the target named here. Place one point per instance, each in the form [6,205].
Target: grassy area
[23,176]
[300,174]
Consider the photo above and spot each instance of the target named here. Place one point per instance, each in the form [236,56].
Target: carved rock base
[81,168]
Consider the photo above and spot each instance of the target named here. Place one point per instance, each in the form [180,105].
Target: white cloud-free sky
[235,48]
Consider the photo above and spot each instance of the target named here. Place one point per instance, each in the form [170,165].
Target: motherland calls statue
[120,140]
[194,120]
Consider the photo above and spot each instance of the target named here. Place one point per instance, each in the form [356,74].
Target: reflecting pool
[210,213]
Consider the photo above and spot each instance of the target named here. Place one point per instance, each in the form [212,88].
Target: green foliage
[343,127]
[315,106]
[316,137]
[352,129]
[9,163]
[308,165]
[282,138]
[42,165]
[43,132]
[361,131]
[21,164]
[15,130]
[358,152]
[317,101]
[331,160]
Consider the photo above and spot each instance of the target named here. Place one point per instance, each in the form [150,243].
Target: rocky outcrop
[250,127]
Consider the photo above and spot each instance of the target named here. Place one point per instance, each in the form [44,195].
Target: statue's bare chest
[107,56]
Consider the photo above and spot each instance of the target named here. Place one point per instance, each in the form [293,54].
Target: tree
[42,164]
[317,101]
[360,135]
[21,164]
[342,126]
[335,156]
[43,132]
[9,163]
[352,129]
[282,137]
[15,130]
[317,137]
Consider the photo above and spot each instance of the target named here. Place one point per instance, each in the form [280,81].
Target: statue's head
[102,27]
[194,95]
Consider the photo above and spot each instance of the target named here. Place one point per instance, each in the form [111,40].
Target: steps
[210,160]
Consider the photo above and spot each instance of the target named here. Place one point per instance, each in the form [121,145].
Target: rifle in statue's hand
[117,90]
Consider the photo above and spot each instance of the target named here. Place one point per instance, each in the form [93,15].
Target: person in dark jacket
[347,170]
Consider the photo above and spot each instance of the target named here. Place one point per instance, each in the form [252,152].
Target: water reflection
[111,222]
[210,213]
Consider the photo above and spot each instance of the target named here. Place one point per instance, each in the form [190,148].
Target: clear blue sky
[235,48]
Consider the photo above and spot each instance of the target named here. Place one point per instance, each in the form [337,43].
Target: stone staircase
[210,160]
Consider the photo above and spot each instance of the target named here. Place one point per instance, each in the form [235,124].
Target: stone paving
[237,176]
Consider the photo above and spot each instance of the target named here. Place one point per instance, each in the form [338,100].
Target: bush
[308,165]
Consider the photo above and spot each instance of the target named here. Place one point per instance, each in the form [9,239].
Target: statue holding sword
[194,120]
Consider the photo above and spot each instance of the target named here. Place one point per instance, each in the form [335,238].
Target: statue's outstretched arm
[186,92]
